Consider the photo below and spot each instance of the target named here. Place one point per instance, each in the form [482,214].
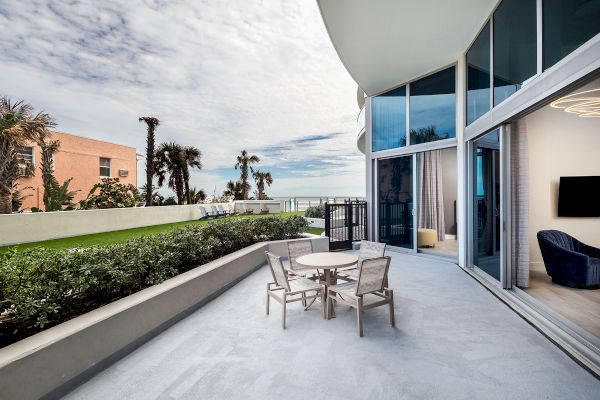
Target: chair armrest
[589,250]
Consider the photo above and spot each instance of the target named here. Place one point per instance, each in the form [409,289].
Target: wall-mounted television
[579,196]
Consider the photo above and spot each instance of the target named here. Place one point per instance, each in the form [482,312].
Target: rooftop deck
[453,340]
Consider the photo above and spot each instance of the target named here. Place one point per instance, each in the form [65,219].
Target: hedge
[41,287]
[315,211]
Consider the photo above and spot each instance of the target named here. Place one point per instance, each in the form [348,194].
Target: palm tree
[244,163]
[234,189]
[192,158]
[49,182]
[169,159]
[261,178]
[17,127]
[151,123]
[196,196]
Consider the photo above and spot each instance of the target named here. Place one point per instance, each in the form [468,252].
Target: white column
[461,203]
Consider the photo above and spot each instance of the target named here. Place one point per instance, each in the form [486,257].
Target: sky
[260,75]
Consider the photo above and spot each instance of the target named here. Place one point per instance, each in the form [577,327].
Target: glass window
[478,76]
[25,155]
[395,201]
[515,58]
[486,204]
[105,167]
[433,107]
[389,119]
[568,24]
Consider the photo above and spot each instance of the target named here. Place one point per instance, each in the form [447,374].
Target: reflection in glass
[395,201]
[389,119]
[486,204]
[478,76]
[515,58]
[567,25]
[433,107]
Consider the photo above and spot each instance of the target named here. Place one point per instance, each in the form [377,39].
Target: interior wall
[560,144]
[449,176]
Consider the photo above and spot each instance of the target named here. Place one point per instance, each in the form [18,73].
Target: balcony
[361,130]
[453,339]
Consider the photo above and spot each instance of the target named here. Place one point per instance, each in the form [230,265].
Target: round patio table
[328,262]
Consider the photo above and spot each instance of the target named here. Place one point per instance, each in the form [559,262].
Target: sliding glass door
[486,244]
[395,201]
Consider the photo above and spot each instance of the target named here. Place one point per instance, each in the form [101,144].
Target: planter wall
[34,227]
[52,362]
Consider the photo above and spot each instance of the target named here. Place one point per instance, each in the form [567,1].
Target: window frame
[102,166]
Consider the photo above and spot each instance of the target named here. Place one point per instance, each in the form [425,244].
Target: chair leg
[268,301]
[304,300]
[283,311]
[392,318]
[359,315]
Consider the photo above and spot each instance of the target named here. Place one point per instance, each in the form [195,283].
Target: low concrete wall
[274,206]
[316,222]
[50,363]
[34,227]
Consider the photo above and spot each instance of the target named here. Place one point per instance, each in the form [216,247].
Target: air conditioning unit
[123,173]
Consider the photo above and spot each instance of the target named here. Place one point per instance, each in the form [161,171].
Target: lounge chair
[285,290]
[371,278]
[203,213]
[248,210]
[264,209]
[215,212]
[222,211]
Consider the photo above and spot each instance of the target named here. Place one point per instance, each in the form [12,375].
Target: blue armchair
[568,261]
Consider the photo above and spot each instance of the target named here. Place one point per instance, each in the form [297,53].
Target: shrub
[110,193]
[315,211]
[42,287]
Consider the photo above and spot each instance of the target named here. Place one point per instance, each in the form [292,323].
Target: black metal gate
[345,223]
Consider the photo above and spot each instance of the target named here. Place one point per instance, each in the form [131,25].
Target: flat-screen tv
[579,196]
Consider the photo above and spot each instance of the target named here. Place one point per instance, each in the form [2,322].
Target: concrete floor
[453,340]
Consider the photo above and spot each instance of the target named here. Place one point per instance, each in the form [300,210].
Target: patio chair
[215,212]
[208,214]
[371,277]
[285,290]
[203,213]
[298,248]
[367,250]
[222,211]
[264,209]
[248,210]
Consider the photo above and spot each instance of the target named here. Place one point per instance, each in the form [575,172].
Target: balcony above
[384,43]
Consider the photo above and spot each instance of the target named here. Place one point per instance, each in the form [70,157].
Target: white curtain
[431,196]
[519,170]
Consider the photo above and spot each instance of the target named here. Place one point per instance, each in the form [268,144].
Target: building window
[25,155]
[433,107]
[515,38]
[478,76]
[104,167]
[567,24]
[389,120]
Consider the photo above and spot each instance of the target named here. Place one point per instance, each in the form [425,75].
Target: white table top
[327,260]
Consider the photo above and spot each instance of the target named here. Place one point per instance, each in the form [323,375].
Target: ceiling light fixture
[585,104]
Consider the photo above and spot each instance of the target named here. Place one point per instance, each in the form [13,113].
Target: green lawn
[126,234]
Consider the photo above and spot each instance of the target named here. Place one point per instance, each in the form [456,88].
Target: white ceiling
[384,43]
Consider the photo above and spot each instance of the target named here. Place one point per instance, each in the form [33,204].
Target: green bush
[42,287]
[315,211]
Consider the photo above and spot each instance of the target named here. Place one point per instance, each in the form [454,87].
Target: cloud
[220,75]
